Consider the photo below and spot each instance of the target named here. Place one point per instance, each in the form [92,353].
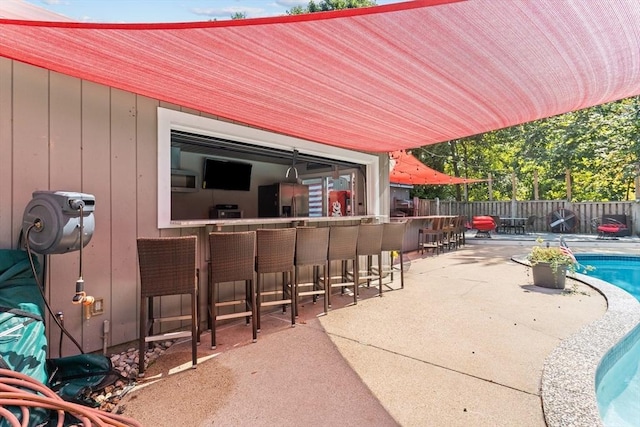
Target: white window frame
[169,120]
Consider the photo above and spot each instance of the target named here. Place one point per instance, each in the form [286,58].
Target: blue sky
[130,11]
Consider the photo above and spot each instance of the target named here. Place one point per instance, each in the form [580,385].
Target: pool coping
[568,384]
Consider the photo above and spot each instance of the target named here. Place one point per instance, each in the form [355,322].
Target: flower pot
[546,277]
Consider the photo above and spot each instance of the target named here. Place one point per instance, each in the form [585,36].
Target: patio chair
[312,249]
[232,259]
[500,225]
[611,228]
[528,226]
[167,267]
[275,251]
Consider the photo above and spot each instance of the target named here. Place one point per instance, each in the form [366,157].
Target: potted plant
[549,265]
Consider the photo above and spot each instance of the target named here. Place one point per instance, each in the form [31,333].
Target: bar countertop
[261,221]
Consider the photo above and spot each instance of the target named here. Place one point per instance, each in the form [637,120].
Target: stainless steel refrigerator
[283,199]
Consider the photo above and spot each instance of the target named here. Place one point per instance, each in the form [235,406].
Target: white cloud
[54,2]
[226,12]
[291,3]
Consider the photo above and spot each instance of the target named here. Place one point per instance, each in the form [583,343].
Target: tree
[329,5]
[599,145]
[239,15]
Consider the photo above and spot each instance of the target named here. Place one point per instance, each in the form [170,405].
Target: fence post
[635,218]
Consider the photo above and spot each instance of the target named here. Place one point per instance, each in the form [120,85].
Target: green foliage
[600,146]
[552,255]
[329,5]
[239,15]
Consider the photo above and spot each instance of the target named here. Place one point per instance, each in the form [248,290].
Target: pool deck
[469,341]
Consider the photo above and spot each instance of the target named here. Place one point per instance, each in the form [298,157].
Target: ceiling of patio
[375,79]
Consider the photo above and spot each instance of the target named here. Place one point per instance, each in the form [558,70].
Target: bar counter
[219,224]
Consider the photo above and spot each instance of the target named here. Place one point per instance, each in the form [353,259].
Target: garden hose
[22,391]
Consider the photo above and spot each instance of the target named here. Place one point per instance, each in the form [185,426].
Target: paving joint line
[436,365]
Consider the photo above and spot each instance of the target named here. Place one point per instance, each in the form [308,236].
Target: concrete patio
[463,344]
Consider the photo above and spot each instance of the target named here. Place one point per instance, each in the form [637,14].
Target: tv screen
[226,175]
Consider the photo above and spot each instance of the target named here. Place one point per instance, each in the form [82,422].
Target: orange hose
[12,396]
[25,412]
[7,415]
[35,401]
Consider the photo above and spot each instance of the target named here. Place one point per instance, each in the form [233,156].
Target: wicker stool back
[393,241]
[232,259]
[167,267]
[312,246]
[369,245]
[342,247]
[275,254]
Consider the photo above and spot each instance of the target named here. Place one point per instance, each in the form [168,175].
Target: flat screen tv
[226,175]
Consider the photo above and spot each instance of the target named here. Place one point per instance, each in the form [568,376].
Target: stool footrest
[171,319]
[307,293]
[230,303]
[234,315]
[167,336]
[347,284]
[276,302]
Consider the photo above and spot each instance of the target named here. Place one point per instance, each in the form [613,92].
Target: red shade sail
[374,79]
[406,169]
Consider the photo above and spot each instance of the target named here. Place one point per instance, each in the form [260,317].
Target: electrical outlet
[98,306]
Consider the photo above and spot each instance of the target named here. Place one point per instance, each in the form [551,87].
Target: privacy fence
[580,218]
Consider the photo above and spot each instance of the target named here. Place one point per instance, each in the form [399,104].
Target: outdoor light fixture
[293,167]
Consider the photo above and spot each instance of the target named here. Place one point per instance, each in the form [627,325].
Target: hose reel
[56,222]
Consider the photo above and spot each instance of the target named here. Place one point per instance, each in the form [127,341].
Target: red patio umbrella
[406,169]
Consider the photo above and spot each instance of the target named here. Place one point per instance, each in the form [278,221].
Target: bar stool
[275,254]
[459,231]
[370,244]
[393,241]
[343,241]
[312,246]
[232,259]
[448,233]
[431,237]
[167,267]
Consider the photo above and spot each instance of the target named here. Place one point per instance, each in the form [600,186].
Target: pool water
[618,376]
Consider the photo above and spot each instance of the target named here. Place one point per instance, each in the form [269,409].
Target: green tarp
[23,343]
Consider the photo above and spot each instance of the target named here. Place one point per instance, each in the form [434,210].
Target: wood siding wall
[61,133]
[585,212]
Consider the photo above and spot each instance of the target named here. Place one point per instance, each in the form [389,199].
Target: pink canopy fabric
[406,169]
[376,79]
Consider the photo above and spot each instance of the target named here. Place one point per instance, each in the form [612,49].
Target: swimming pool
[618,375]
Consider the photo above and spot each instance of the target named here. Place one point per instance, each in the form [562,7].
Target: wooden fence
[582,216]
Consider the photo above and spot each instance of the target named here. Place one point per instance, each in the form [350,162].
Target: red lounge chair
[484,225]
[611,229]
